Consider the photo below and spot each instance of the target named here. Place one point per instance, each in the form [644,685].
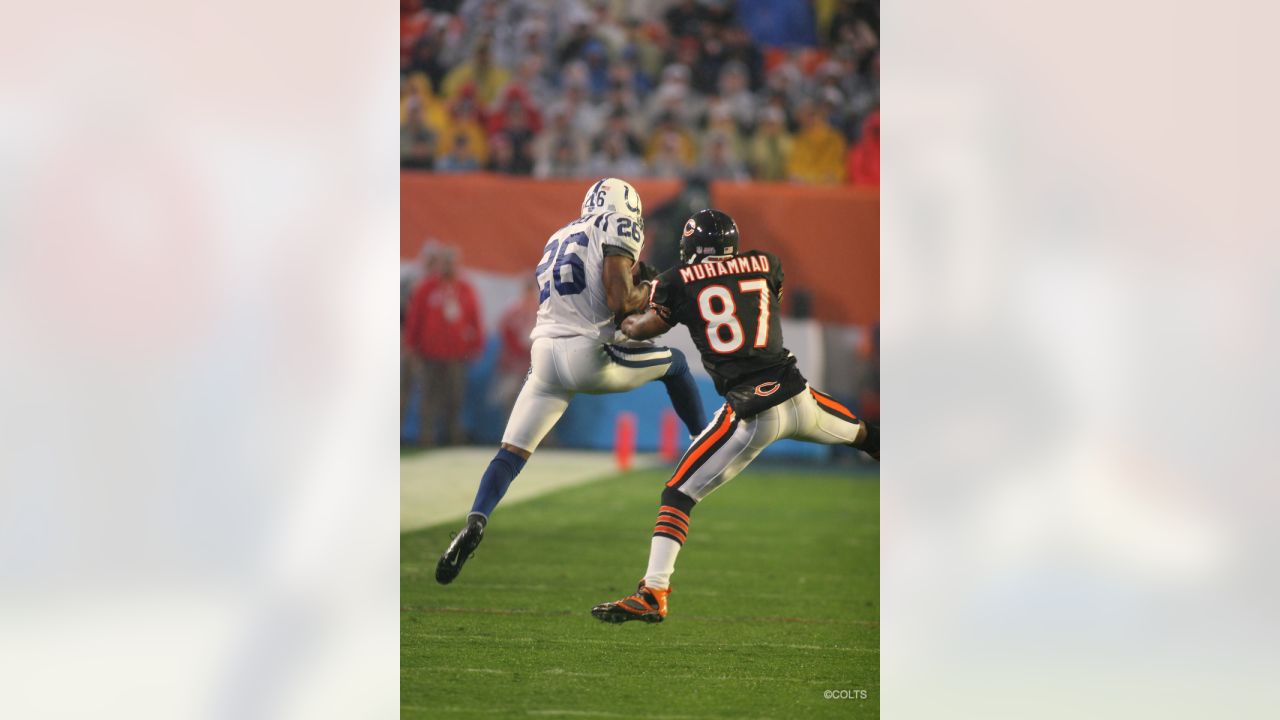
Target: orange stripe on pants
[701,448]
[828,402]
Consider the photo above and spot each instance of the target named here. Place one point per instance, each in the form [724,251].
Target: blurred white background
[198,479]
[1079,304]
[198,372]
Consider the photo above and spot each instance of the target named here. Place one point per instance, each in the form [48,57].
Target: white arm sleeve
[620,235]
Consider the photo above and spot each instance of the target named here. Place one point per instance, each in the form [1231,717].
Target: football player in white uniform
[586,287]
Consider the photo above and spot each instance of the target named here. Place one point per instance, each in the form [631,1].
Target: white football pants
[563,367]
[730,443]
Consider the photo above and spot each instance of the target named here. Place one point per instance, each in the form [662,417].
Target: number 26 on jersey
[556,256]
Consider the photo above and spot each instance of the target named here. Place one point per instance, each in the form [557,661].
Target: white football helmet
[612,195]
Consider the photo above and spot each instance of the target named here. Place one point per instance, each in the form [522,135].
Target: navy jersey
[731,309]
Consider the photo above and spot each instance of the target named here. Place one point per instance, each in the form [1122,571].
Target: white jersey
[571,275]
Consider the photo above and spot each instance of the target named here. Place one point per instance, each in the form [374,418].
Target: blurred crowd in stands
[777,90]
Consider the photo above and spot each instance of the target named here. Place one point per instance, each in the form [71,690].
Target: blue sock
[497,478]
[684,393]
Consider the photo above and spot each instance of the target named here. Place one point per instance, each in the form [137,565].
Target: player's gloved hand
[642,271]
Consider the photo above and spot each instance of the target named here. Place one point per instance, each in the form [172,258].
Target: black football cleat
[459,551]
[646,603]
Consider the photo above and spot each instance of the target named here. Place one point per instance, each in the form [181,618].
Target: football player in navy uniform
[729,302]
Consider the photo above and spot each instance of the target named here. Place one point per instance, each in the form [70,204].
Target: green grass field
[775,599]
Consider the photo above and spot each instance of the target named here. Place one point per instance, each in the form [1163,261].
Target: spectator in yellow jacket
[818,151]
[464,119]
[417,98]
[670,141]
[770,148]
[489,79]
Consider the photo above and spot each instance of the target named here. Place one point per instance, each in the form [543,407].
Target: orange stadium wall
[827,237]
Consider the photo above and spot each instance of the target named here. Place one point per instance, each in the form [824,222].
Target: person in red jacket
[442,330]
[863,162]
[410,364]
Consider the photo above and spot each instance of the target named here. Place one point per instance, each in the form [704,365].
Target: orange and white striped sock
[669,534]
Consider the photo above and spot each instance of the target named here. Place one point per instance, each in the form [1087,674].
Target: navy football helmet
[709,233]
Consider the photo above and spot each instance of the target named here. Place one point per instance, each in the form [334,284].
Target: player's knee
[868,439]
[676,498]
[679,365]
[524,454]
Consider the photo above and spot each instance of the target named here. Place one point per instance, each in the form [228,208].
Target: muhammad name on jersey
[702,271]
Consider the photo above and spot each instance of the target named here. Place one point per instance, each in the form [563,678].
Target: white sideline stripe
[438,485]
[665,643]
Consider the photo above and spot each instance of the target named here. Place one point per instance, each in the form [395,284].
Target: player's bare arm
[644,326]
[622,296]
